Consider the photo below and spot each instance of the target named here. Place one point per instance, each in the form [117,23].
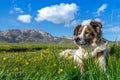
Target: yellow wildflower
[75,67]
[4,58]
[37,73]
[26,62]
[47,49]
[69,58]
[55,65]
[60,71]
[16,69]
[61,50]
[34,60]
[29,59]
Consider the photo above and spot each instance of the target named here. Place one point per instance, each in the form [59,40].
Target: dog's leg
[82,66]
[100,49]
[80,63]
[67,52]
[102,61]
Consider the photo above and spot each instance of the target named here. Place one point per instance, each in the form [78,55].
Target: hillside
[16,35]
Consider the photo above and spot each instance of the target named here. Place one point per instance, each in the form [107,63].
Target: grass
[46,64]
[30,46]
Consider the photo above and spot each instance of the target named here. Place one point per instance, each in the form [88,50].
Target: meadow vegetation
[38,61]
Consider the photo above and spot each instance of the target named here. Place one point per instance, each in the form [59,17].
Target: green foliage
[46,64]
[31,46]
[115,49]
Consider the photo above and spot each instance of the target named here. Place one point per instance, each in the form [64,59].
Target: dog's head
[89,34]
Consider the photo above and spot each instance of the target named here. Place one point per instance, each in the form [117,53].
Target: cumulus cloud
[72,23]
[86,22]
[16,10]
[25,18]
[62,13]
[101,9]
[98,19]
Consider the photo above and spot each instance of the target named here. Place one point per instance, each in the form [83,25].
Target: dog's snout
[77,39]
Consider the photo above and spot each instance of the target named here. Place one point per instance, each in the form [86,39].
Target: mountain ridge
[33,35]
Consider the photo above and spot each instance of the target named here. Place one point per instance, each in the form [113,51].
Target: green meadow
[41,61]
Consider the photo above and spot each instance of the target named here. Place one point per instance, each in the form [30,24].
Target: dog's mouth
[80,41]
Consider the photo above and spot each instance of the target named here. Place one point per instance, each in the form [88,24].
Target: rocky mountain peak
[16,35]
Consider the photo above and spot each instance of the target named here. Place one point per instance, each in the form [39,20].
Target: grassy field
[36,61]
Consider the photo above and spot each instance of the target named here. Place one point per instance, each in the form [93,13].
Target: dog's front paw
[67,52]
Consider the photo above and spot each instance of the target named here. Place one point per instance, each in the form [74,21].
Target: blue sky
[59,17]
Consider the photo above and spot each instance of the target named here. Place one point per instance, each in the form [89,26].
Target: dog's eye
[79,32]
[87,32]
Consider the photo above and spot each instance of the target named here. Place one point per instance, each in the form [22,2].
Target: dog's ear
[96,26]
[76,30]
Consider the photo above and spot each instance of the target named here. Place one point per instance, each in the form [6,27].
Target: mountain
[16,35]
[63,39]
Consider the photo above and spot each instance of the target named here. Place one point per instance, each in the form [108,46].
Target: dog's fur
[90,43]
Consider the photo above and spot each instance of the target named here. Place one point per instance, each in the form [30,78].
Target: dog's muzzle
[79,40]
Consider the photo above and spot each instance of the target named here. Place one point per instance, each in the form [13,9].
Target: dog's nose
[77,39]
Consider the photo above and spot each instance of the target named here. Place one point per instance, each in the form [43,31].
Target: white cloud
[86,22]
[25,18]
[101,9]
[72,23]
[16,10]
[114,29]
[98,19]
[62,13]
[19,10]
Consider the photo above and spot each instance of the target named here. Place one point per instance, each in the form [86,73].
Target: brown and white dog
[90,43]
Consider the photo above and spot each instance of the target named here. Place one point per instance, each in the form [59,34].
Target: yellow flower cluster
[46,51]
[75,67]
[4,58]
[55,65]
[60,71]
[69,57]
[16,69]
[21,61]
[26,62]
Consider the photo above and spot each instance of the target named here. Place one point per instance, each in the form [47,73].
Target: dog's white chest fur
[80,54]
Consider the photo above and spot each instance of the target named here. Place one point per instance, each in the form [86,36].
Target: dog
[90,43]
